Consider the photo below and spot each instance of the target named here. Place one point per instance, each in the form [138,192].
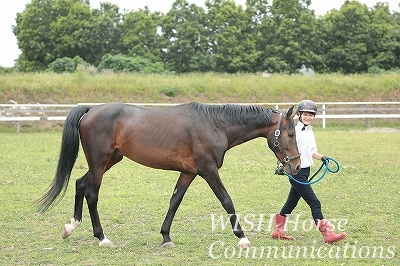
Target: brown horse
[189,138]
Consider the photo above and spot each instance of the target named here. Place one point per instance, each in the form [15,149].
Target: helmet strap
[304,127]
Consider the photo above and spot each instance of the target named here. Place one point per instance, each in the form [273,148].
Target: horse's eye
[291,135]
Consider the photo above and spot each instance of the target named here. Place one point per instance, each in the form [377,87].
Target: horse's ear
[290,112]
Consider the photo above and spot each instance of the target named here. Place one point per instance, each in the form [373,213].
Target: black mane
[234,113]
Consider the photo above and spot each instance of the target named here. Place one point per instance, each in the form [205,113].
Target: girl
[307,147]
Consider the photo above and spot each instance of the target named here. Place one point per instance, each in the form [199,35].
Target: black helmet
[307,106]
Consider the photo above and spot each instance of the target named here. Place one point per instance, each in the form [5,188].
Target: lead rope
[327,169]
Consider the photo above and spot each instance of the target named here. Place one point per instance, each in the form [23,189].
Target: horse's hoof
[167,245]
[66,231]
[244,243]
[106,243]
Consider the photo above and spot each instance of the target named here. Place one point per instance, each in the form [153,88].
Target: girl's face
[307,118]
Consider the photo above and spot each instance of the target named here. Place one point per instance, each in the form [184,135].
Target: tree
[185,38]
[289,36]
[396,20]
[66,30]
[101,34]
[33,35]
[383,45]
[51,29]
[223,37]
[233,45]
[257,11]
[140,35]
[348,36]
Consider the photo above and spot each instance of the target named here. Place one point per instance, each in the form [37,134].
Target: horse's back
[127,121]
[114,113]
[162,138]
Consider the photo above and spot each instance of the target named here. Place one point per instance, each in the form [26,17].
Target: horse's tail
[68,155]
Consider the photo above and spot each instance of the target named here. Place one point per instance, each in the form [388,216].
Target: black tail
[68,154]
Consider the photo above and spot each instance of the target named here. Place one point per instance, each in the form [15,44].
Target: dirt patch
[383,129]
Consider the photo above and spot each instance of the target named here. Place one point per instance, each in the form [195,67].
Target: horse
[189,138]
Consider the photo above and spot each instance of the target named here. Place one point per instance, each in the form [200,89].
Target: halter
[286,159]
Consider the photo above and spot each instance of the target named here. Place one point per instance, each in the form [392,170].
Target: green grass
[134,199]
[210,87]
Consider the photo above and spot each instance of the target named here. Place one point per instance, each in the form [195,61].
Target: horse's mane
[234,113]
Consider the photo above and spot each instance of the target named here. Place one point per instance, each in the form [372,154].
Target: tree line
[222,37]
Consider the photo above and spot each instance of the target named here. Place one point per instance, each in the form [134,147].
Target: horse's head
[282,141]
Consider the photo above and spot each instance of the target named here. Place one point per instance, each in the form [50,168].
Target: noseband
[286,159]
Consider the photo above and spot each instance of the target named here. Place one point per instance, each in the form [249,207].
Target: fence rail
[327,110]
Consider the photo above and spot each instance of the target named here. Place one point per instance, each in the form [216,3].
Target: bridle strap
[278,131]
[286,159]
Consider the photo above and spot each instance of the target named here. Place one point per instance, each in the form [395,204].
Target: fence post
[323,116]
[367,121]
[18,122]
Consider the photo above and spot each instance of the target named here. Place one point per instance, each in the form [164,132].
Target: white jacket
[306,144]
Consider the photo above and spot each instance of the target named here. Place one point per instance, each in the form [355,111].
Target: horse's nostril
[298,167]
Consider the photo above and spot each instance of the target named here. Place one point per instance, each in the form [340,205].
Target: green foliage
[53,29]
[139,36]
[185,38]
[122,63]
[359,38]
[67,64]
[102,34]
[278,37]
[61,65]
[170,92]
[384,45]
[284,48]
[233,42]
[375,70]
[8,70]
[157,67]
[34,35]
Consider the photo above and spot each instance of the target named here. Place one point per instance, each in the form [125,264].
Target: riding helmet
[307,106]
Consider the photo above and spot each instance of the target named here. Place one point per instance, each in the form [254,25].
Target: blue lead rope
[327,169]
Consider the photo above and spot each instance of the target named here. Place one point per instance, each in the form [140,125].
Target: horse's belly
[162,158]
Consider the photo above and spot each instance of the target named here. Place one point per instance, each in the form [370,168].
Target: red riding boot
[327,233]
[279,228]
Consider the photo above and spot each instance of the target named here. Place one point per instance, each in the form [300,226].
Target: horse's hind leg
[92,193]
[180,188]
[80,186]
[85,189]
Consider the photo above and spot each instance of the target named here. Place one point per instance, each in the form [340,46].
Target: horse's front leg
[80,186]
[214,181]
[180,189]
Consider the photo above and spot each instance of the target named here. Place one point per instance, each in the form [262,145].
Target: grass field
[134,200]
[209,87]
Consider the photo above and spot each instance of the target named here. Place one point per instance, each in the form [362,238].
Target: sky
[8,10]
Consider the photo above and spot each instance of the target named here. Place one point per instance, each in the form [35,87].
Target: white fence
[327,110]
[355,110]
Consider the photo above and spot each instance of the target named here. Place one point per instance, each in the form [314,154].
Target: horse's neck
[238,134]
